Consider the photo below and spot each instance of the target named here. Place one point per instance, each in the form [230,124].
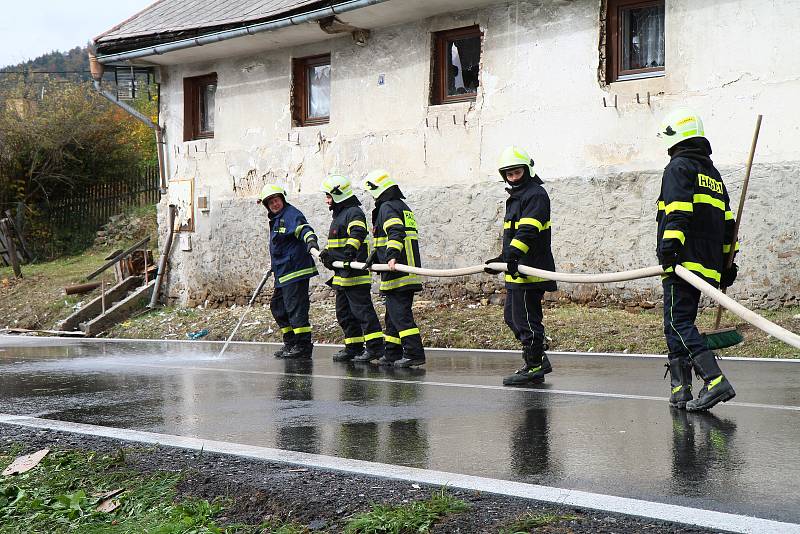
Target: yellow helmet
[269,190]
[377,182]
[338,187]
[514,156]
[679,125]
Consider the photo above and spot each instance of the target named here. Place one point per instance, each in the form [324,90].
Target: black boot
[716,387]
[300,350]
[680,370]
[281,352]
[348,353]
[385,360]
[368,356]
[536,366]
[410,361]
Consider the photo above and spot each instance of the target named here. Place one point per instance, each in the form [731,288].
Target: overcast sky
[30,28]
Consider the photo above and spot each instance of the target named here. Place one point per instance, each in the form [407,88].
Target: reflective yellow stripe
[676,389]
[708,273]
[352,281]
[374,335]
[524,279]
[349,340]
[299,229]
[394,221]
[353,242]
[292,276]
[715,382]
[400,282]
[708,199]
[534,222]
[409,332]
[675,234]
[394,244]
[661,205]
[516,243]
[729,215]
[356,223]
[302,330]
[336,243]
[391,339]
[687,133]
[286,329]
[727,248]
[507,225]
[678,206]
[309,235]
[380,242]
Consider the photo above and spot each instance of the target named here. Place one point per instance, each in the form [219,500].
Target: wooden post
[146,278]
[12,249]
[103,295]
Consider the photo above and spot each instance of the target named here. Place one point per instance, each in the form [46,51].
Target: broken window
[635,39]
[199,96]
[312,90]
[456,65]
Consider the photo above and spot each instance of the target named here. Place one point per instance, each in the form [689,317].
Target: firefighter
[394,229]
[291,240]
[346,243]
[695,230]
[526,241]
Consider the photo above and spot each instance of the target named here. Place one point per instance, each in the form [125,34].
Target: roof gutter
[253,29]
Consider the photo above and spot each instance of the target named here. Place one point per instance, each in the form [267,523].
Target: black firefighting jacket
[526,233]
[694,215]
[347,241]
[395,230]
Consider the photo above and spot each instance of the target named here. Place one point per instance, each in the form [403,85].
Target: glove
[325,258]
[350,253]
[371,258]
[513,267]
[498,259]
[669,260]
[729,275]
[312,244]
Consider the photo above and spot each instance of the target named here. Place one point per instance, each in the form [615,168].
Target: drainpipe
[97,74]
[162,264]
[311,16]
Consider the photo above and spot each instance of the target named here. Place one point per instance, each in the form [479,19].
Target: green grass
[531,521]
[57,496]
[417,516]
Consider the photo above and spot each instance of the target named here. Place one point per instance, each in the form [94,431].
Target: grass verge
[530,521]
[408,518]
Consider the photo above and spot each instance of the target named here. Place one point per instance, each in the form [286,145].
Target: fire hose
[715,294]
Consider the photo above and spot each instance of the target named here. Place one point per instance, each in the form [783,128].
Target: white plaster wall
[730,59]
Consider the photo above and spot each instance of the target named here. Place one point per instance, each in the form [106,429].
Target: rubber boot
[281,352]
[680,371]
[536,366]
[348,353]
[716,387]
[301,350]
[368,356]
[411,361]
[384,361]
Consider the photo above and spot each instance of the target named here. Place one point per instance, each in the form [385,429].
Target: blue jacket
[288,234]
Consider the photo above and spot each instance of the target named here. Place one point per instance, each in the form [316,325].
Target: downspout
[312,16]
[97,75]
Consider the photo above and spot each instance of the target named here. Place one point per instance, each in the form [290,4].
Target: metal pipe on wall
[162,263]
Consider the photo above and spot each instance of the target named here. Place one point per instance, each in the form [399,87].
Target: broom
[728,337]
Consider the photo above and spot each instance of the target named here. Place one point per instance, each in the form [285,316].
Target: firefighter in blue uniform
[526,241]
[291,240]
[695,230]
[394,229]
[347,242]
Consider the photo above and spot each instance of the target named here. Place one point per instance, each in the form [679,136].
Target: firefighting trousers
[402,334]
[680,311]
[523,315]
[358,319]
[289,307]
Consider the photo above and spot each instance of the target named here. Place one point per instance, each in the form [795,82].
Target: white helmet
[338,187]
[679,125]
[377,182]
[269,190]
[513,157]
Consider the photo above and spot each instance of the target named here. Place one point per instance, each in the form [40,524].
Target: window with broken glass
[312,90]
[456,65]
[199,95]
[635,39]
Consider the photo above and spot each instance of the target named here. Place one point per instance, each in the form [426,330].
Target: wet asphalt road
[599,424]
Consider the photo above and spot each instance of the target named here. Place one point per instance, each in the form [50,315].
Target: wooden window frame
[439,86]
[192,89]
[614,46]
[300,93]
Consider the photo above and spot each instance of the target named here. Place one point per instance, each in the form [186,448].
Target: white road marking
[597,501]
[442,384]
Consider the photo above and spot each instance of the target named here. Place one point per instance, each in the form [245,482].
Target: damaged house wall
[539,88]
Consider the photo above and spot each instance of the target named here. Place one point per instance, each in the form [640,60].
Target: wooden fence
[93,206]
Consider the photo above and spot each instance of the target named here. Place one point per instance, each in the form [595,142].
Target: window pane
[642,38]
[319,91]
[207,97]
[463,61]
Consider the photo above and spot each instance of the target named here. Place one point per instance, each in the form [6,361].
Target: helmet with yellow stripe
[513,157]
[338,187]
[679,125]
[270,190]
[377,182]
